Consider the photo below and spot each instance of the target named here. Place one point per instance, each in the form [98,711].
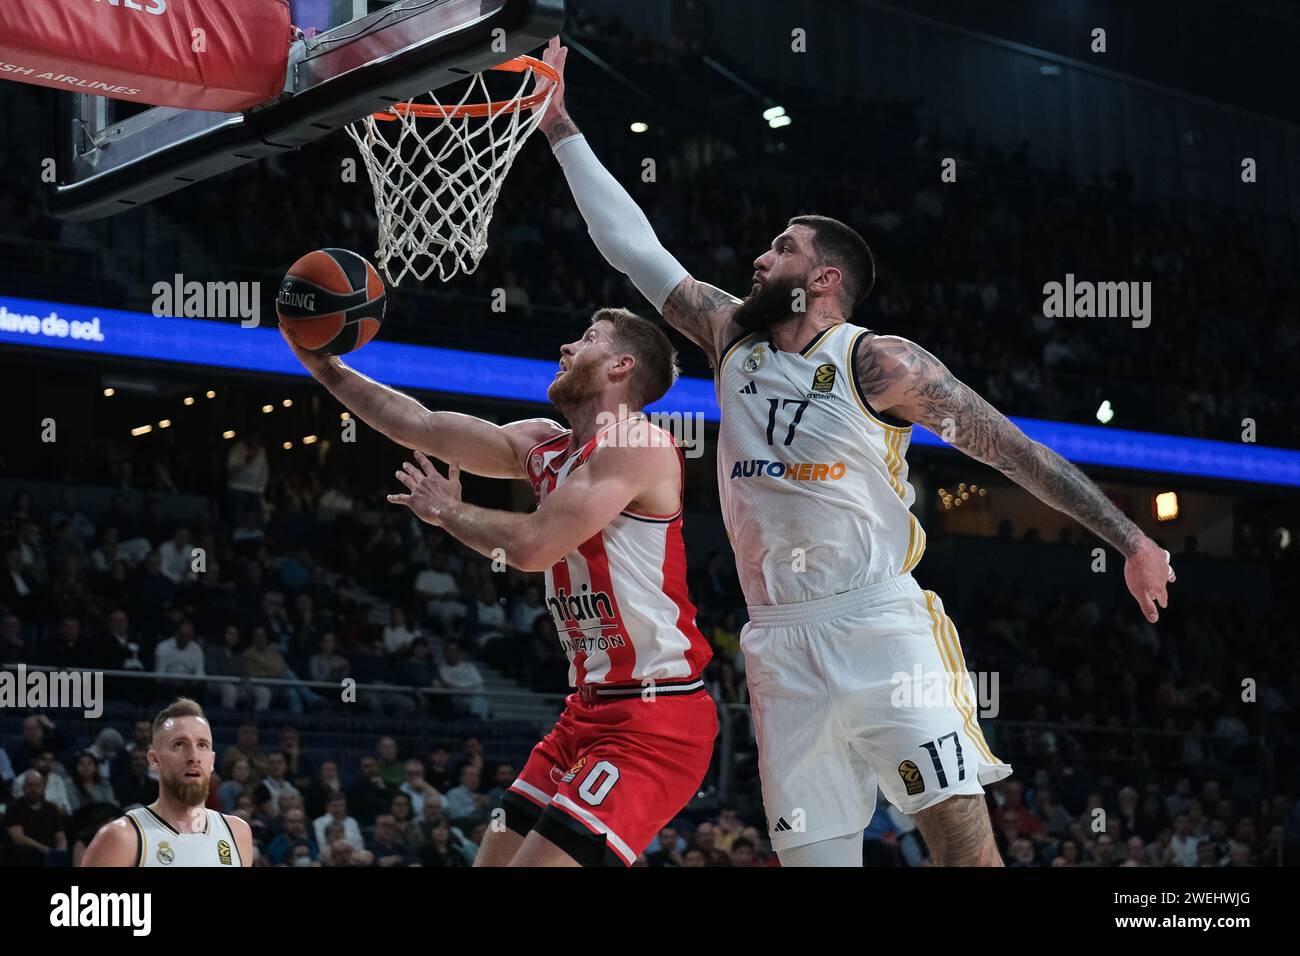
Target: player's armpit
[617,475]
[702,313]
[243,834]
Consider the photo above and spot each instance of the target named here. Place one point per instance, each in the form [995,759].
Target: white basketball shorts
[854,691]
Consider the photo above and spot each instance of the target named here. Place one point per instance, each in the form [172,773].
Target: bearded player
[816,421]
[635,740]
[177,829]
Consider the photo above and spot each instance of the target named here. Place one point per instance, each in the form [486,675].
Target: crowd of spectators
[407,806]
[278,577]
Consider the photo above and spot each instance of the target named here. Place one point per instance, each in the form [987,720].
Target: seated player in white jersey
[816,419]
[635,740]
[177,829]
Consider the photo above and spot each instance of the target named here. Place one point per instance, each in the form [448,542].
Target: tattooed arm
[624,235]
[899,377]
[702,313]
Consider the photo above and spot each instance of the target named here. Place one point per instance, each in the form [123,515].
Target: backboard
[352,58]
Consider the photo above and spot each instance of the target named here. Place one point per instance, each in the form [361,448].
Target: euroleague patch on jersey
[223,853]
[793,471]
[574,770]
[912,778]
[823,378]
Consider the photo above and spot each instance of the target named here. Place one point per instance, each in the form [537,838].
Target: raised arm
[482,447]
[624,235]
[899,377]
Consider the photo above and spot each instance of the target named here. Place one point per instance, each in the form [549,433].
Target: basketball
[333,301]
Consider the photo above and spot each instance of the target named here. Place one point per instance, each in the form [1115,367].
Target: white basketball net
[436,179]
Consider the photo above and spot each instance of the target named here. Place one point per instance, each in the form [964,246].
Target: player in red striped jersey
[635,740]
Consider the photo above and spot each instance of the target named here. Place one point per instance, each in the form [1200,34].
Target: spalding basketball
[333,301]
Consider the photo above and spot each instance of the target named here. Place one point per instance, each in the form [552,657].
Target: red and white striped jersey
[619,602]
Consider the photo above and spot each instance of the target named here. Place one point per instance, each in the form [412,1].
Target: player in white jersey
[816,417]
[177,829]
[635,740]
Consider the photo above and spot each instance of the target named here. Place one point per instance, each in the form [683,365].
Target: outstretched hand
[554,56]
[431,496]
[1148,574]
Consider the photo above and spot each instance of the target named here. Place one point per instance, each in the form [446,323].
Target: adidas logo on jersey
[781,826]
[795,471]
[750,389]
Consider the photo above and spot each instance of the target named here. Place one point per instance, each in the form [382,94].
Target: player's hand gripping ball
[332,300]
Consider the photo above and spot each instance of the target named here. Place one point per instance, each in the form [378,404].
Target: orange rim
[518,65]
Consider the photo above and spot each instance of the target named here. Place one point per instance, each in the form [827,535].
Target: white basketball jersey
[162,845]
[619,601]
[813,485]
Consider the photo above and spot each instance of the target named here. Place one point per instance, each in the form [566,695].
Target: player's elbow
[531,551]
[529,558]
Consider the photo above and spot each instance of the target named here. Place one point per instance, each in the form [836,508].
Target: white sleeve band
[617,225]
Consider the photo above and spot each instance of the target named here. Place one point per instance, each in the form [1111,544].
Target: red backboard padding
[221,55]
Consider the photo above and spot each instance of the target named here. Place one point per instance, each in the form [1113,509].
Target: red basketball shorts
[613,772]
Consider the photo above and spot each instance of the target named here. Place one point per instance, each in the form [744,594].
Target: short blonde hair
[180,707]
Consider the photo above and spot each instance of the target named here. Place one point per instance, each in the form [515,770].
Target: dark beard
[575,386]
[189,793]
[769,306]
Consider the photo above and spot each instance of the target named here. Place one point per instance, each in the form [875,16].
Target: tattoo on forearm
[558,128]
[926,392]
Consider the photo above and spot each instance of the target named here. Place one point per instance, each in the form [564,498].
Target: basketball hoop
[437,169]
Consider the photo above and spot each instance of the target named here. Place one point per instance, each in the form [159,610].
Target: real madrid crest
[755,359]
[166,855]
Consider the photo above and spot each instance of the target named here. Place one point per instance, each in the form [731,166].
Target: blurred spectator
[34,826]
[419,790]
[247,474]
[386,845]
[465,805]
[459,674]
[438,851]
[336,813]
[370,795]
[295,833]
[56,788]
[87,784]
[440,594]
[274,786]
